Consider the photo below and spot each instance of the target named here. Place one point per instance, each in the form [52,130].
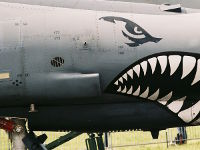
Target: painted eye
[138,31]
[132,31]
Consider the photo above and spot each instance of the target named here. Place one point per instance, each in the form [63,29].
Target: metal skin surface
[185,3]
[127,6]
[65,61]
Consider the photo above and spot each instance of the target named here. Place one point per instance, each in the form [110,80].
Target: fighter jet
[107,67]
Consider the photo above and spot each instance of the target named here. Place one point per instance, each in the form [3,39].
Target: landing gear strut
[21,139]
[95,143]
[17,131]
[35,143]
[17,134]
[62,140]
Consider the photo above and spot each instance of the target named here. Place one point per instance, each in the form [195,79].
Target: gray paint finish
[94,52]
[88,45]
[185,3]
[104,5]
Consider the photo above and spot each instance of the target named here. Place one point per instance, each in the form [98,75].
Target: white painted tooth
[145,93]
[186,115]
[144,67]
[197,75]
[121,79]
[163,63]
[125,76]
[130,91]
[137,70]
[176,105]
[120,89]
[162,102]
[116,83]
[137,92]
[154,96]
[174,62]
[165,99]
[188,65]
[130,73]
[189,114]
[153,62]
[124,90]
[196,109]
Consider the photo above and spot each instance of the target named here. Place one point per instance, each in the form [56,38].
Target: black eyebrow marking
[130,26]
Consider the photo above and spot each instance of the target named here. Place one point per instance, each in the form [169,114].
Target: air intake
[57,62]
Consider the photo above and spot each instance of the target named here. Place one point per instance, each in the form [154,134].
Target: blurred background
[170,139]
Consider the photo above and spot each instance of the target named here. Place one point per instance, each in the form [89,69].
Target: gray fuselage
[63,56]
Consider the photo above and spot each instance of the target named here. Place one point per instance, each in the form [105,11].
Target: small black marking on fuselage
[57,62]
[133,29]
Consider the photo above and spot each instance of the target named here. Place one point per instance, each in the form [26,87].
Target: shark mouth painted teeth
[171,79]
